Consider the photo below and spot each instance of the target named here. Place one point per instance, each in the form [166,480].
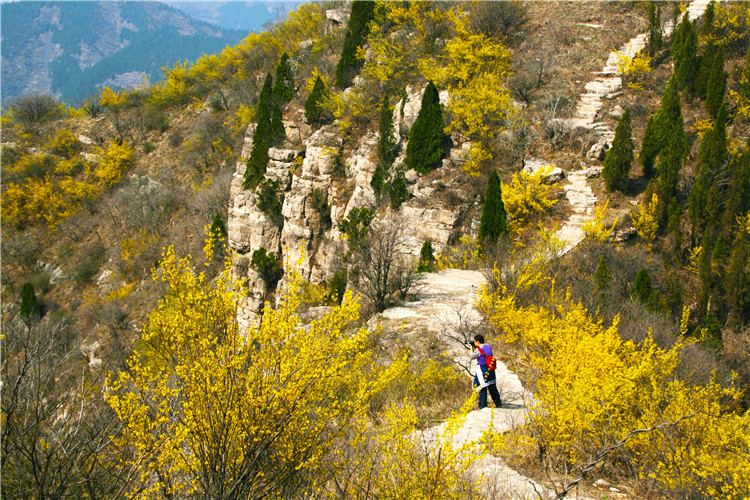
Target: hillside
[247,16]
[259,276]
[70,49]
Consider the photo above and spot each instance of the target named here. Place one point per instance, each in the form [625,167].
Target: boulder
[534,165]
[598,151]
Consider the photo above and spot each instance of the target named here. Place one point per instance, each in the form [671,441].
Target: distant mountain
[248,16]
[71,48]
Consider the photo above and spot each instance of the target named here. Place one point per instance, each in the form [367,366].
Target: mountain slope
[70,48]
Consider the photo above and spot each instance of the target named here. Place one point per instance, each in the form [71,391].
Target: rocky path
[605,85]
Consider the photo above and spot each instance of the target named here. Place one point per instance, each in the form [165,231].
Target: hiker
[485,376]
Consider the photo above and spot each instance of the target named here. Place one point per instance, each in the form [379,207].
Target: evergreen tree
[602,276]
[711,157]
[705,69]
[737,200]
[283,90]
[277,133]
[30,310]
[737,282]
[218,229]
[670,164]
[267,266]
[620,156]
[708,19]
[426,138]
[262,138]
[386,141]
[642,289]
[426,258]
[337,287]
[398,192]
[357,30]
[314,110]
[688,56]
[678,39]
[378,179]
[661,126]
[494,220]
[745,78]
[717,84]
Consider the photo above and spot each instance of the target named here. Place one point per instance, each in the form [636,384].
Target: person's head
[479,338]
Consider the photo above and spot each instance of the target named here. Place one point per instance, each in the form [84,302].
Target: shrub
[493,222]
[398,191]
[314,110]
[426,258]
[617,163]
[268,201]
[30,310]
[267,266]
[65,144]
[283,90]
[337,287]
[36,109]
[427,138]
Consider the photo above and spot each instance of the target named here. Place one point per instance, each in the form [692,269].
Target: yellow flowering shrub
[209,409]
[645,222]
[594,390]
[595,230]
[113,163]
[526,198]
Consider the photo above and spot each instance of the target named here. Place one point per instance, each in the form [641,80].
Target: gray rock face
[534,165]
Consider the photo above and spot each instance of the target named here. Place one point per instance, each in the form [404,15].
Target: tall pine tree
[30,310]
[654,28]
[314,111]
[661,126]
[620,156]
[686,64]
[283,90]
[427,138]
[357,30]
[262,138]
[494,220]
[386,146]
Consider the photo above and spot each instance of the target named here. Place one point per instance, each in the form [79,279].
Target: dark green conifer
[602,276]
[378,179]
[30,310]
[357,30]
[704,70]
[426,258]
[717,84]
[427,138]
[262,138]
[642,289]
[277,133]
[709,14]
[314,110]
[337,287]
[283,90]
[745,78]
[737,200]
[386,141]
[678,39]
[398,192]
[218,229]
[267,266]
[494,220]
[663,124]
[616,172]
[688,57]
[654,28]
[737,282]
[670,164]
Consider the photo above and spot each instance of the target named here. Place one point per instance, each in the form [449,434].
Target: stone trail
[606,84]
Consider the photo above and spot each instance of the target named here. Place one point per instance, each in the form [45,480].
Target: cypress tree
[277,133]
[642,289]
[30,310]
[745,78]
[654,25]
[426,138]
[688,58]
[218,229]
[386,141]
[283,90]
[426,258]
[262,138]
[711,156]
[494,220]
[708,19]
[602,276]
[705,69]
[313,106]
[717,84]
[620,156]
[678,39]
[398,191]
[357,30]
[378,179]
[670,164]
[738,291]
[661,126]
[737,199]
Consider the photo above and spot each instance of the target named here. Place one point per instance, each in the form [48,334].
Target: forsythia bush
[527,197]
[595,230]
[593,390]
[645,222]
[210,409]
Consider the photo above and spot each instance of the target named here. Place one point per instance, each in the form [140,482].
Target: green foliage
[356,225]
[349,65]
[398,192]
[427,138]
[705,69]
[711,158]
[314,110]
[670,164]
[717,84]
[737,200]
[493,222]
[661,126]
[284,90]
[378,179]
[654,29]
[30,310]
[277,131]
[268,266]
[685,55]
[218,228]
[337,287]
[263,138]
[319,203]
[620,156]
[386,141]
[738,281]
[426,258]
[32,110]
[268,201]
[642,289]
[65,144]
[602,277]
